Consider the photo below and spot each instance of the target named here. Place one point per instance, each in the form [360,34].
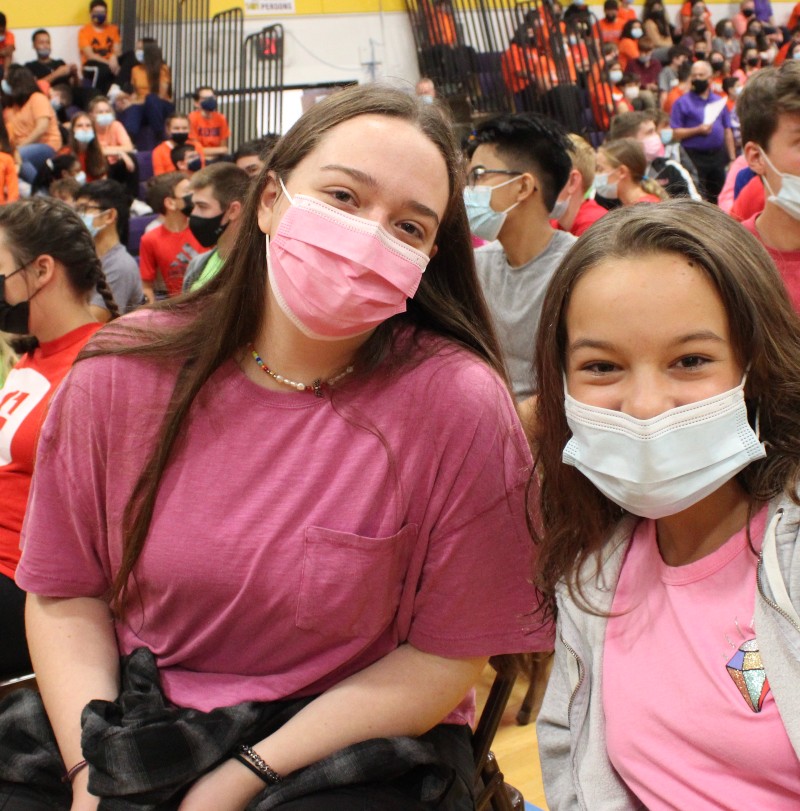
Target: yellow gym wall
[43,13]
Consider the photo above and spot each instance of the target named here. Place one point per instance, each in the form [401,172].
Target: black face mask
[717,65]
[700,55]
[13,317]
[188,205]
[748,12]
[207,230]
[179,138]
[699,86]
[753,61]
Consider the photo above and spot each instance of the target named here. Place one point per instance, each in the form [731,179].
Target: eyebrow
[370,181]
[700,335]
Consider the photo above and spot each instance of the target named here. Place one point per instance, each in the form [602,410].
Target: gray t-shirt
[122,275]
[515,297]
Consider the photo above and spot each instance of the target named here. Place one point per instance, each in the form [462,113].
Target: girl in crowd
[629,42]
[84,145]
[668,437]
[751,63]
[30,120]
[622,174]
[48,268]
[151,102]
[62,167]
[322,441]
[115,144]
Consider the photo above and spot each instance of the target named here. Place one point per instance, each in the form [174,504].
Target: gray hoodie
[571,726]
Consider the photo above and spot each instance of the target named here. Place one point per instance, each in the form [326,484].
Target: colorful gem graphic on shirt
[747,671]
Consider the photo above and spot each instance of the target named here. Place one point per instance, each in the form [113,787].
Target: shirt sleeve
[475,595]
[147,259]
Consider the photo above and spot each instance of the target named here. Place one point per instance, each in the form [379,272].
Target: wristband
[247,756]
[70,775]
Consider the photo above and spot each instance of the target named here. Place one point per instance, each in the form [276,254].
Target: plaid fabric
[143,752]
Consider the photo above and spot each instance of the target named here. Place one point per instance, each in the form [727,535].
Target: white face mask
[559,209]
[605,189]
[665,464]
[788,196]
[484,221]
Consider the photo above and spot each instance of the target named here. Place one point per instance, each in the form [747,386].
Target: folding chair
[491,790]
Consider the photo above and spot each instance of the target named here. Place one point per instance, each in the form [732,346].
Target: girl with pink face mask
[311,478]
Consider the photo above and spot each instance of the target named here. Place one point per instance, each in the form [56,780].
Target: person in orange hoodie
[207,126]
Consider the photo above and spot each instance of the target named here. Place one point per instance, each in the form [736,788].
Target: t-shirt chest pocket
[350,584]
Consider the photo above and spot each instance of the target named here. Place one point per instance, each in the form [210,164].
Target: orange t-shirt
[21,121]
[672,97]
[115,135]
[211,131]
[101,41]
[626,14]
[628,50]
[610,32]
[9,185]
[162,160]
[141,84]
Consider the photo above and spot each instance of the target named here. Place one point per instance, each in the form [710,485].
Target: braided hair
[44,225]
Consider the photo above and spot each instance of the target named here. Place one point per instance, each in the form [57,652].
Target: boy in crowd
[207,126]
[218,194]
[44,67]
[518,166]
[575,210]
[769,112]
[177,129]
[100,45]
[166,250]
[7,45]
[251,155]
[103,206]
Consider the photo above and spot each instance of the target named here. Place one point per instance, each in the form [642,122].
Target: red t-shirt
[588,214]
[787,262]
[211,131]
[23,402]
[750,201]
[167,253]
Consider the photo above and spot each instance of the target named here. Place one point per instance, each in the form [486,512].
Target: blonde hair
[582,157]
[628,152]
[7,359]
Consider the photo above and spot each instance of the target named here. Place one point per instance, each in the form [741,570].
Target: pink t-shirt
[787,262]
[296,539]
[690,720]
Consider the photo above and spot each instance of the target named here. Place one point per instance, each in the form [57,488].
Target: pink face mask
[653,147]
[336,275]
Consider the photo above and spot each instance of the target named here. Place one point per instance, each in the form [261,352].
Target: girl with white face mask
[668,439]
[331,458]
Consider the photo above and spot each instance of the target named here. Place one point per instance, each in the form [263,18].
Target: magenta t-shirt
[690,719]
[296,539]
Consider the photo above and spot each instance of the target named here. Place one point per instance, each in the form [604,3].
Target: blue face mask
[6,87]
[84,136]
[484,221]
[666,136]
[88,221]
[139,55]
[209,104]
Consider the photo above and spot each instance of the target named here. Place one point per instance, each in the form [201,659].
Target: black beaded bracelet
[247,756]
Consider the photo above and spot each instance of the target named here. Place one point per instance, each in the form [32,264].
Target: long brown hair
[576,519]
[628,152]
[215,323]
[96,164]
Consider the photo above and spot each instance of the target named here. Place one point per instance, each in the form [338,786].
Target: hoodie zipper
[771,603]
[580,675]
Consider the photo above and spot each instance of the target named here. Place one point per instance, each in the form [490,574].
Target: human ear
[754,156]
[42,269]
[234,211]
[267,203]
[529,186]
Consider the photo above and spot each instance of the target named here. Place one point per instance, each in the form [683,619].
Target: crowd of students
[283,514]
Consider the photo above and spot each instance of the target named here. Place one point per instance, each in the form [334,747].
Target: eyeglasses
[96,210]
[476,173]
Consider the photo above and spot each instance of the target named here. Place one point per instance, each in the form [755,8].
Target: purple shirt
[688,112]
[763,10]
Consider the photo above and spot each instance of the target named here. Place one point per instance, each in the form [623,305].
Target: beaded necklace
[315,388]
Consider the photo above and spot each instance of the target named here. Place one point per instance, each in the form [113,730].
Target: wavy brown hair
[221,318]
[576,519]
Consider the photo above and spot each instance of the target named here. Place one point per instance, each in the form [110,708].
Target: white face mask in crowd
[788,196]
[484,221]
[662,465]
